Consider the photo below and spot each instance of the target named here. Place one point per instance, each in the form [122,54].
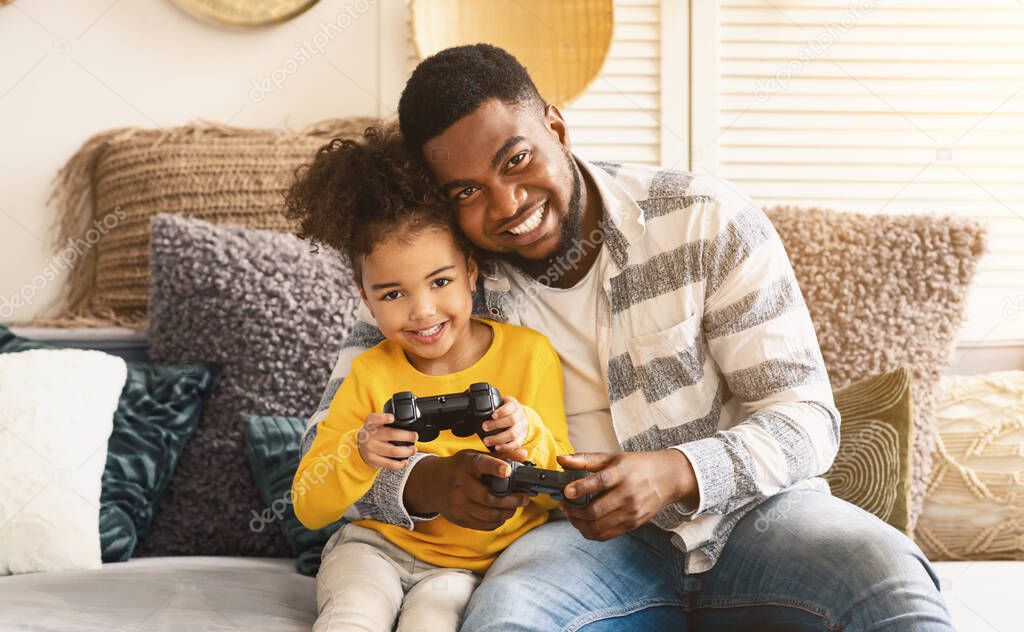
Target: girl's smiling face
[419,288]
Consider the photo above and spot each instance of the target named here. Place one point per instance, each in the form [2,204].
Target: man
[694,386]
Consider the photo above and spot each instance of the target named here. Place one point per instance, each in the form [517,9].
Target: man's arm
[383,501]
[761,337]
[333,474]
[760,334]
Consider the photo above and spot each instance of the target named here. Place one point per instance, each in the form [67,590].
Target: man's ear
[556,123]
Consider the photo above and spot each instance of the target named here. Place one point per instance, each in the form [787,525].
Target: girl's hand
[375,442]
[511,420]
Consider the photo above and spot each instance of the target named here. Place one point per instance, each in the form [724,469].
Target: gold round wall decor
[244,13]
[563,44]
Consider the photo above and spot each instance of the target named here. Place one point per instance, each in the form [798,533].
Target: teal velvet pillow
[9,343]
[272,446]
[156,415]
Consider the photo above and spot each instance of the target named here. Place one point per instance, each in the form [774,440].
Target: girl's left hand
[511,419]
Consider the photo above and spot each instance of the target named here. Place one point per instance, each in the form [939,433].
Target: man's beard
[569,236]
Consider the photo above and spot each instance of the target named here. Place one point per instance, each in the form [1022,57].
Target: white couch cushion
[983,596]
[159,594]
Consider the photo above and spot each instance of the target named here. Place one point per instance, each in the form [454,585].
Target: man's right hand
[453,486]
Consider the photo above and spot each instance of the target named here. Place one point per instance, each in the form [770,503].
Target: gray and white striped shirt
[705,344]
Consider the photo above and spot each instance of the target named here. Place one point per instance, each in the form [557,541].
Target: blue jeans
[802,561]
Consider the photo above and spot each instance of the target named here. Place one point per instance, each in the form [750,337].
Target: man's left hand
[629,489]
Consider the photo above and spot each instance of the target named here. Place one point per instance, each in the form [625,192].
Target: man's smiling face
[516,187]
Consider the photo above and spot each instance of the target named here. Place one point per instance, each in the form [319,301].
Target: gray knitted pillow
[273,316]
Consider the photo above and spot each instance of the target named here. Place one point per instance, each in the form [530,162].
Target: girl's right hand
[375,442]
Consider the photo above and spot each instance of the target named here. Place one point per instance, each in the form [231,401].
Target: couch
[913,305]
[250,593]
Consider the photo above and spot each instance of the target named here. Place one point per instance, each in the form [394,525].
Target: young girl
[416,274]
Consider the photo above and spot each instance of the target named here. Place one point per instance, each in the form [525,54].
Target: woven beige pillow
[108,191]
[975,504]
[884,292]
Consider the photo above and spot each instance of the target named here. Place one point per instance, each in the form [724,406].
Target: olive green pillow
[872,468]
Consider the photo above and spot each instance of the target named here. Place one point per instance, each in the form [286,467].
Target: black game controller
[462,413]
[529,479]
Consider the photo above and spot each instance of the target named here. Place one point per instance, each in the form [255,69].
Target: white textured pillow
[975,504]
[56,414]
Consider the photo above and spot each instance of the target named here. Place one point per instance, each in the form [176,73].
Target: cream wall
[71,68]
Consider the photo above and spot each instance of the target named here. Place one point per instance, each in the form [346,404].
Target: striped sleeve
[384,500]
[759,333]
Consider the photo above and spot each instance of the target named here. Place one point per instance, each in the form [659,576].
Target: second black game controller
[462,413]
[531,480]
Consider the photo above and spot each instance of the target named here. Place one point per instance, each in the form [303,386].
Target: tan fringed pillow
[108,191]
[884,292]
[872,467]
[975,504]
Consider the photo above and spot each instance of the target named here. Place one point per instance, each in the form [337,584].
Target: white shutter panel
[880,106]
[617,118]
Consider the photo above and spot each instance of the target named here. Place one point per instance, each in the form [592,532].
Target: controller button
[404,411]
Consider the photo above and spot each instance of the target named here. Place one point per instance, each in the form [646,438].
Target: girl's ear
[472,270]
[362,294]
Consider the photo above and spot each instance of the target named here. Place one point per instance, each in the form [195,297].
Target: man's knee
[552,577]
[497,605]
[859,563]
[869,548]
[829,541]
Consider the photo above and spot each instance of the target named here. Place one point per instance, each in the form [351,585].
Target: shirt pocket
[668,364]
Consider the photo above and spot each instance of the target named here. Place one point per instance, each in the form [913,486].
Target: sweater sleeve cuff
[392,488]
[713,468]
[675,514]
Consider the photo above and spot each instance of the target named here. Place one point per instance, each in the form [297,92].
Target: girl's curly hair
[356,193]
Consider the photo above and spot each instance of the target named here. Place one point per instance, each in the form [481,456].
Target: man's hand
[511,419]
[375,442]
[453,486]
[632,488]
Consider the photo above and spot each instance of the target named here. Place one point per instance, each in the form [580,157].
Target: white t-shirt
[568,317]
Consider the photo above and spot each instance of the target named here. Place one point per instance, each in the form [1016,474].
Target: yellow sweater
[332,475]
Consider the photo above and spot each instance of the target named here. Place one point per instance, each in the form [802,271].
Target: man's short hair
[456,81]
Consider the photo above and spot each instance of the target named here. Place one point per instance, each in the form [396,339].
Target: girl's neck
[464,353]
